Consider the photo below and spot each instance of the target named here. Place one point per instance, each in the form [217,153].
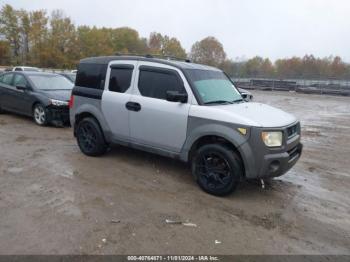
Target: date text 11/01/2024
[173,258]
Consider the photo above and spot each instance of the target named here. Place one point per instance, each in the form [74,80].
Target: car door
[23,98]
[154,121]
[6,89]
[118,88]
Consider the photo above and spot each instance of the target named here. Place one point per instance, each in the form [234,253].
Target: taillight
[71,102]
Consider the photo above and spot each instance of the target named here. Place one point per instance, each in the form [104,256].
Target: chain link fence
[310,86]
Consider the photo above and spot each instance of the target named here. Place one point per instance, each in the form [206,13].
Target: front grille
[292,131]
[293,152]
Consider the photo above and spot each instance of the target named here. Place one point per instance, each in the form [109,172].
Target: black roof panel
[175,63]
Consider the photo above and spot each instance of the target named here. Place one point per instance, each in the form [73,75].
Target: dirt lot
[54,200]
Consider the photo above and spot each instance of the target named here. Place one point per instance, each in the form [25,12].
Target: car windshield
[72,77]
[214,87]
[51,82]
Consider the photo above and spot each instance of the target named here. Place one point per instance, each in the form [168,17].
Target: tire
[90,137]
[40,115]
[217,169]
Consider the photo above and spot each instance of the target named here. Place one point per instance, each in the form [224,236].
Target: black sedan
[43,96]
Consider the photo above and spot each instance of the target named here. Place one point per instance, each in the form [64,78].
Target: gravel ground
[55,200]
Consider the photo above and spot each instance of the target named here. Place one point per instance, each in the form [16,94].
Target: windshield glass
[51,82]
[72,77]
[213,86]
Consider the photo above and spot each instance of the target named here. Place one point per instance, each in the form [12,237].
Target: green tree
[267,69]
[94,41]
[38,35]
[10,27]
[61,41]
[338,68]
[172,47]
[259,67]
[24,31]
[208,51]
[228,66]
[253,66]
[127,40]
[165,45]
[155,43]
[34,38]
[4,53]
[288,68]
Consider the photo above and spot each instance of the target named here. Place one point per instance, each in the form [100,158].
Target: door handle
[133,106]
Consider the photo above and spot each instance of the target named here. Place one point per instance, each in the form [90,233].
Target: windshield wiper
[223,102]
[218,102]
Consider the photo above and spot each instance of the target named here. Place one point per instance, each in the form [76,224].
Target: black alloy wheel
[217,169]
[90,138]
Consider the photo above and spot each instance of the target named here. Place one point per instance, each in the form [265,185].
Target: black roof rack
[166,57]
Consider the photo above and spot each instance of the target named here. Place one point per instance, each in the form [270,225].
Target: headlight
[272,139]
[58,102]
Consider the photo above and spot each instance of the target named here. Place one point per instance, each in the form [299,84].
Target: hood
[63,95]
[248,114]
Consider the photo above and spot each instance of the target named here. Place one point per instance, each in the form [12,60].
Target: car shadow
[181,172]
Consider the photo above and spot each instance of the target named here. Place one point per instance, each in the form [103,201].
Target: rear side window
[91,75]
[120,78]
[7,79]
[155,83]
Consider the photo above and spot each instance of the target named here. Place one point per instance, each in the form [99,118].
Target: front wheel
[90,137]
[217,169]
[40,115]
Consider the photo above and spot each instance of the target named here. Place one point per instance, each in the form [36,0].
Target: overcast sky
[269,28]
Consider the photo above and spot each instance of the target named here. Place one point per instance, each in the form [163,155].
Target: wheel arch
[82,115]
[199,135]
[40,99]
[90,109]
[214,139]
[35,102]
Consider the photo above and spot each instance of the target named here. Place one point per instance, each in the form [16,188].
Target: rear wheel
[217,169]
[90,137]
[40,115]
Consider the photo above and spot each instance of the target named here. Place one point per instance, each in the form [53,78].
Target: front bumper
[278,164]
[58,115]
[261,161]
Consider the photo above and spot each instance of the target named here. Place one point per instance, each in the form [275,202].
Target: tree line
[40,39]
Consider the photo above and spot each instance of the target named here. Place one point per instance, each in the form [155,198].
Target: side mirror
[21,87]
[247,97]
[176,96]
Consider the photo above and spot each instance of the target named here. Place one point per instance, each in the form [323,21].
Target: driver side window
[19,80]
